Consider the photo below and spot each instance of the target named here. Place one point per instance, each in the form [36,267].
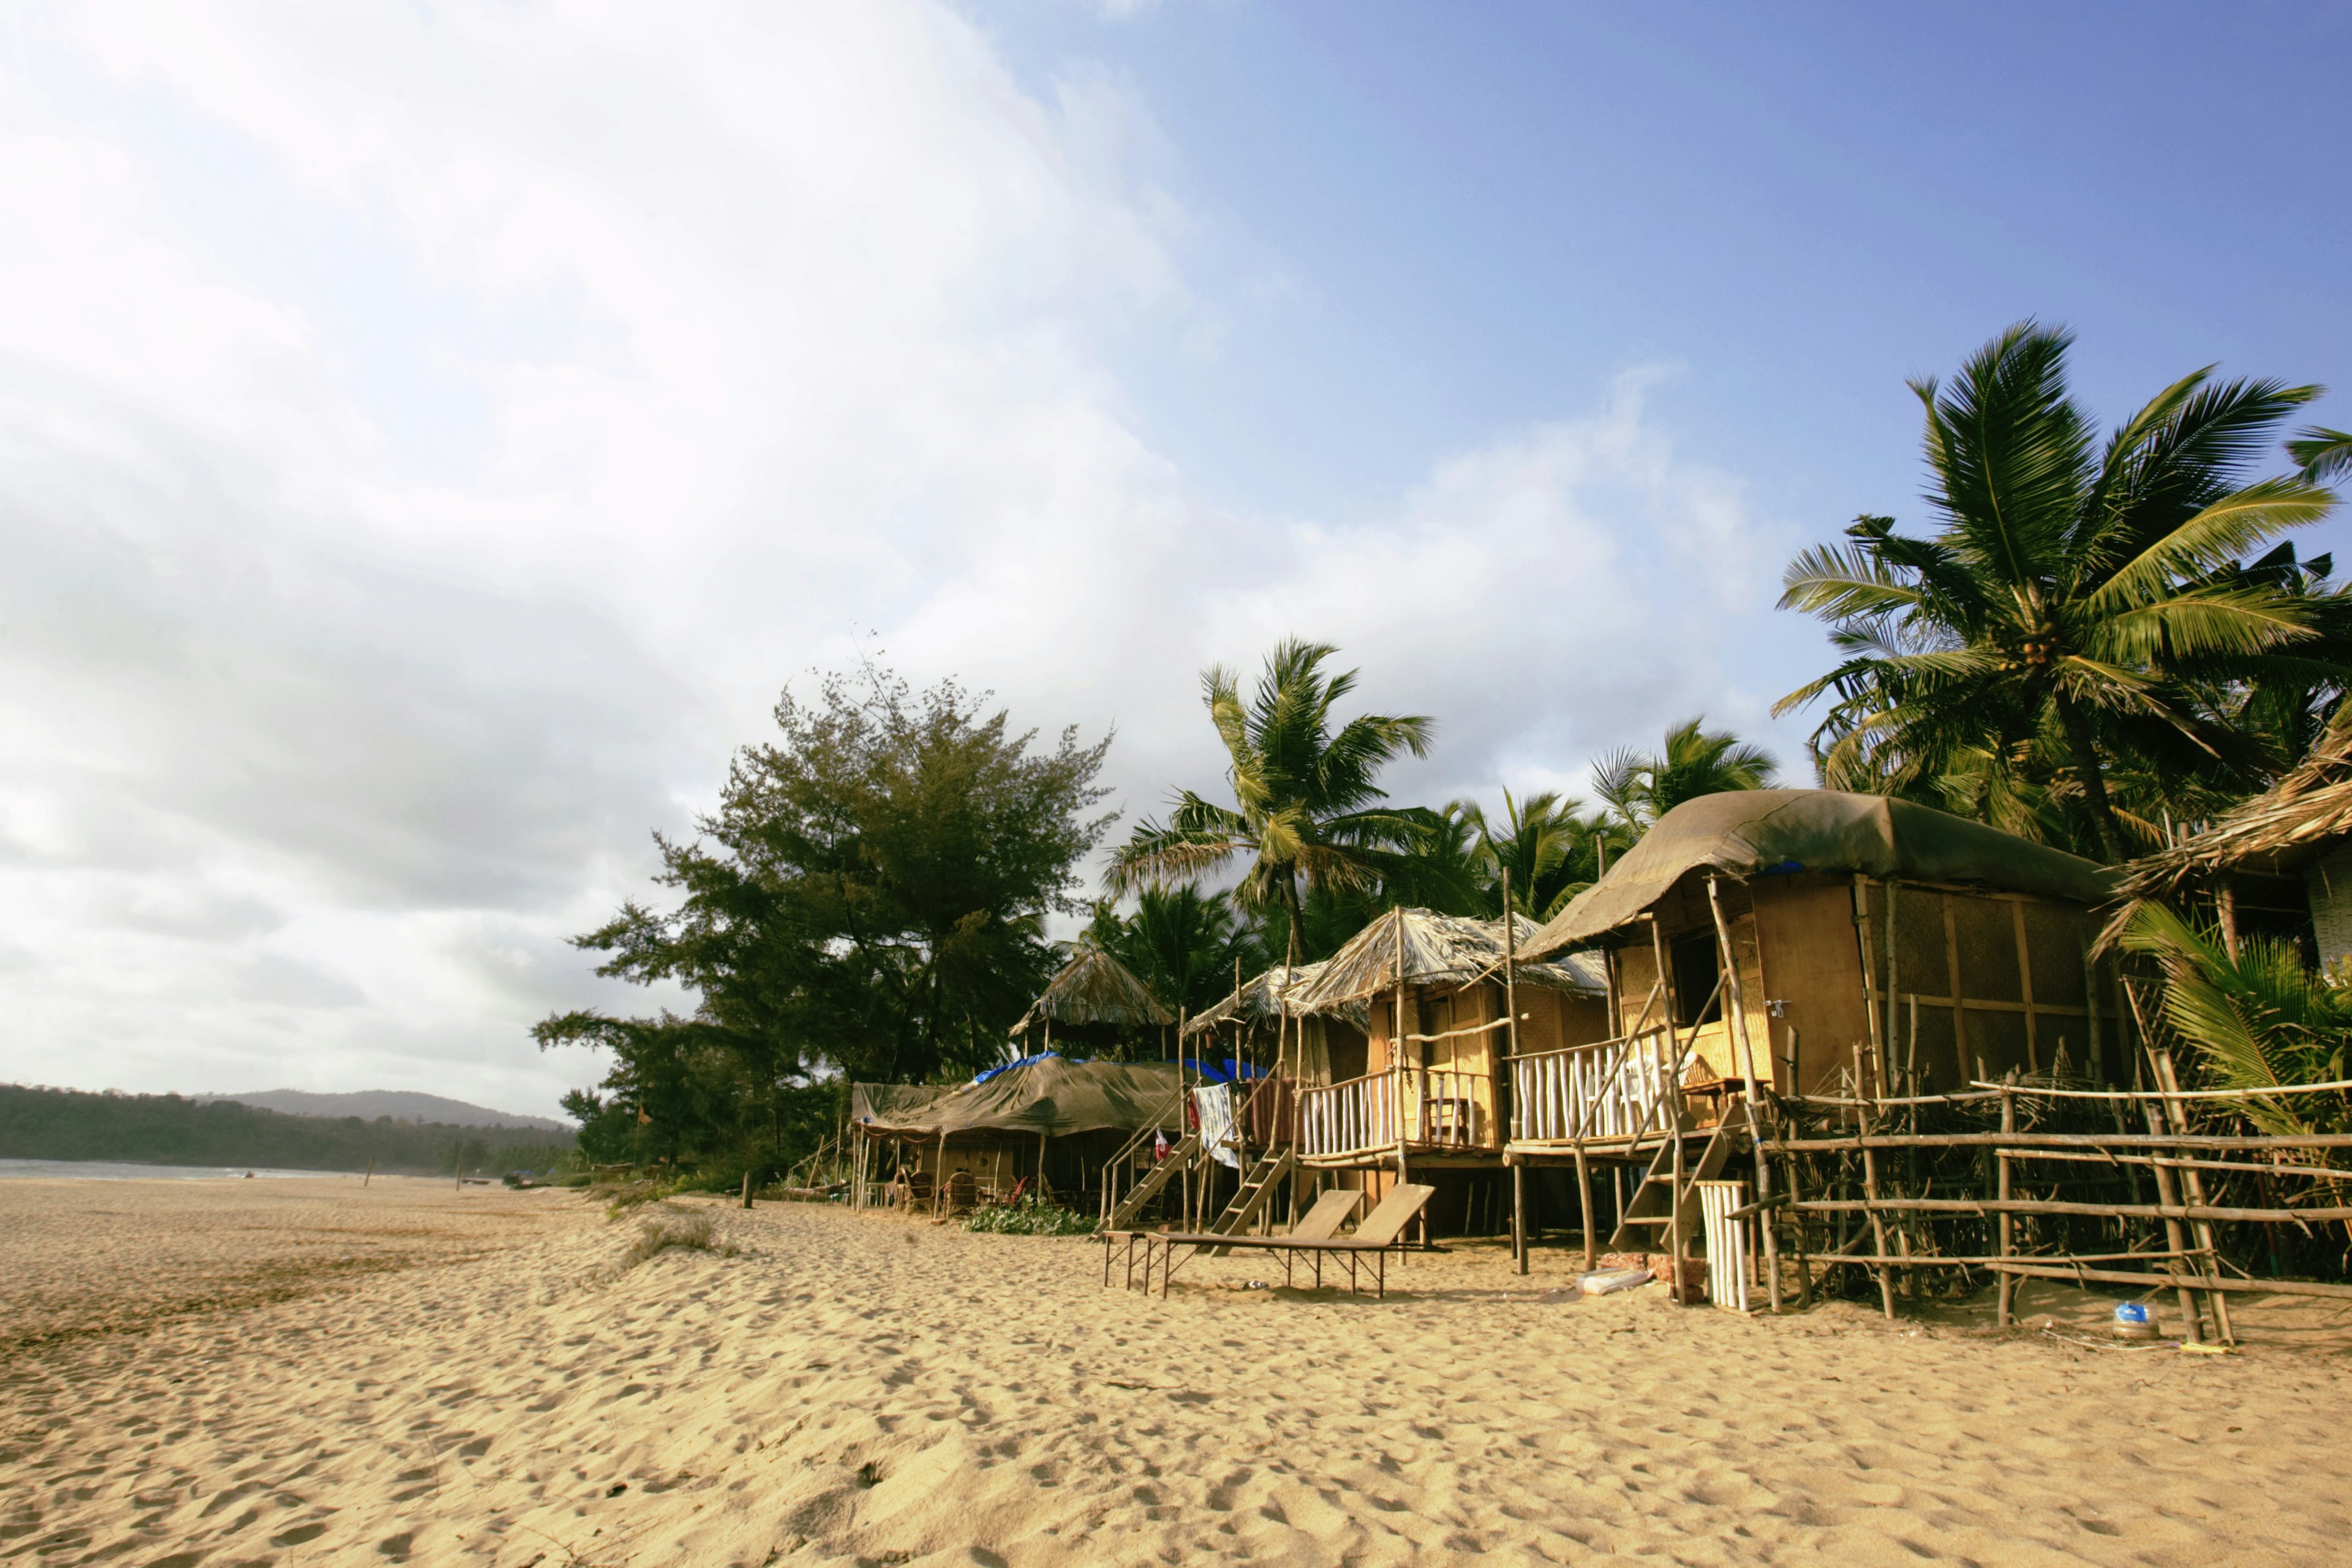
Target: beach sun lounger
[1373,1240]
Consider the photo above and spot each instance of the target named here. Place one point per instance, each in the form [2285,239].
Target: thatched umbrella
[1093,988]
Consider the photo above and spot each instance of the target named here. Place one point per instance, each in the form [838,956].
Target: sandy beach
[304,1372]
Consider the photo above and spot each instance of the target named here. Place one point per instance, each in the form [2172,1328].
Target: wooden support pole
[1870,1192]
[2175,1237]
[371,1172]
[747,1189]
[1675,1229]
[1584,1203]
[1519,1215]
[2177,1115]
[2008,1291]
[1748,1069]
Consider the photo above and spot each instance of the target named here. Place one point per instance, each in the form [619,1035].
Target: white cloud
[433,434]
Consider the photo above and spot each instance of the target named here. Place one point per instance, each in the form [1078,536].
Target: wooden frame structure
[1772,944]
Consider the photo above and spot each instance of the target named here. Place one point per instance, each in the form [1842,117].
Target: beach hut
[2271,866]
[1424,1095]
[1789,941]
[1045,1124]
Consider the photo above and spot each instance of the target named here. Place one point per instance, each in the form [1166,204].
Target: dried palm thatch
[1272,995]
[1439,950]
[1095,988]
[2273,834]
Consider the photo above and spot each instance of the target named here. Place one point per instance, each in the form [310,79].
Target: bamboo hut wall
[1812,966]
[2020,967]
[2327,880]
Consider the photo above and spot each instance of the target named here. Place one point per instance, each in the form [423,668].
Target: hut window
[1695,968]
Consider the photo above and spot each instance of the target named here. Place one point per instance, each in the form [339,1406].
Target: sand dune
[311,1373]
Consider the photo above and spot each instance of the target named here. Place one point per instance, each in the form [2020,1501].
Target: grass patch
[620,1197]
[667,1229]
[1031,1217]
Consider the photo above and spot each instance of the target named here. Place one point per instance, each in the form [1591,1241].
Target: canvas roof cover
[1439,950]
[1748,833]
[1052,1095]
[885,1103]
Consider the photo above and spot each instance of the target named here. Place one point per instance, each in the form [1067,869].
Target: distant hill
[168,1129]
[403,1105]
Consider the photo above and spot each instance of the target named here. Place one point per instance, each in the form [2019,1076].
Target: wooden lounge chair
[1374,1239]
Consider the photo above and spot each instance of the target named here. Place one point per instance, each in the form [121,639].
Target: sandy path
[869,1391]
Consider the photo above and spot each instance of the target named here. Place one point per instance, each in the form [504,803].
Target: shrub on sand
[667,1228]
[1031,1217]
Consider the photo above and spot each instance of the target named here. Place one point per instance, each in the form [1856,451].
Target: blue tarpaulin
[1029,1061]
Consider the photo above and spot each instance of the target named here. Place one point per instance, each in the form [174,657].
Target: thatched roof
[1752,832]
[1096,988]
[1439,950]
[1268,995]
[2296,819]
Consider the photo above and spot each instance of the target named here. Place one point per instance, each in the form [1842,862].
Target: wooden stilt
[1739,1000]
[1519,1217]
[1584,1205]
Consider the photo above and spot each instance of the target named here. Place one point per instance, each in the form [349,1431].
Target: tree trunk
[2095,780]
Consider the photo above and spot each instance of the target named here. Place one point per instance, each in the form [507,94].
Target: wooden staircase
[1649,1217]
[1184,1156]
[1259,1184]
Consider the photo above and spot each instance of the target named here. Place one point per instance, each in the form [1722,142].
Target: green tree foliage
[2257,1020]
[1306,816]
[1641,787]
[1542,841]
[867,901]
[2078,647]
[1179,941]
[166,1130]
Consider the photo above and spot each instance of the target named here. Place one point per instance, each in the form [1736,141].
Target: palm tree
[2322,454]
[2076,608]
[2257,1019]
[1305,809]
[1641,787]
[1542,842]
[1179,941]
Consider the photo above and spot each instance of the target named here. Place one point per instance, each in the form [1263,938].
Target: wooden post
[2008,1220]
[2025,978]
[1675,1225]
[371,1172]
[1519,1215]
[1584,1204]
[1870,1191]
[1869,970]
[2175,1237]
[1396,1047]
[1748,1067]
[1952,964]
[940,1173]
[1045,1188]
[747,1189]
[2177,1115]
[1892,988]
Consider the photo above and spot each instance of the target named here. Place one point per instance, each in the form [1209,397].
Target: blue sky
[430,437]
[1467,217]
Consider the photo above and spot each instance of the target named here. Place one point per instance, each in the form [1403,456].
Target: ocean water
[124,1171]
